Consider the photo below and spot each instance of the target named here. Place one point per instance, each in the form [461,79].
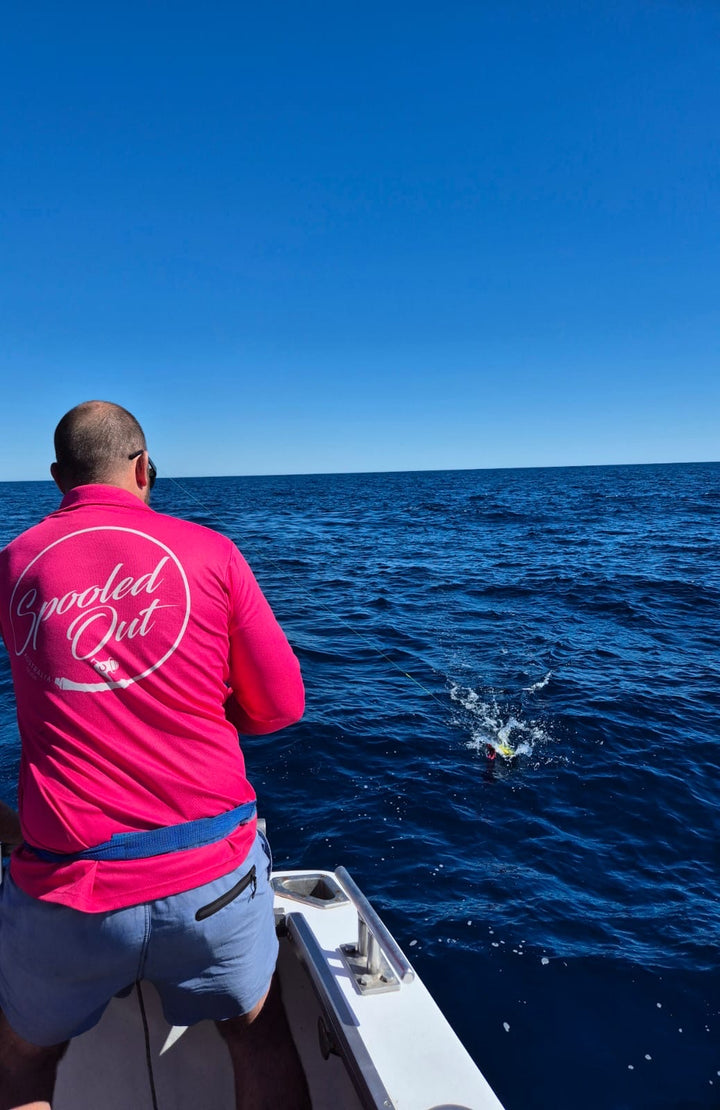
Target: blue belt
[158,842]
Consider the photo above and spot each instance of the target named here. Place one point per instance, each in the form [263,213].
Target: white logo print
[117,625]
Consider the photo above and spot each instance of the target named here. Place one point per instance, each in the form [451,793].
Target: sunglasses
[152,469]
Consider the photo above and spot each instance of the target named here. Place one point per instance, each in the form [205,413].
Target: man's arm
[267,687]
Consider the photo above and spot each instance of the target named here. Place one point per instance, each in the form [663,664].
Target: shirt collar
[97,494]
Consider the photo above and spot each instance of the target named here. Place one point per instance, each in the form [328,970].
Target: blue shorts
[59,967]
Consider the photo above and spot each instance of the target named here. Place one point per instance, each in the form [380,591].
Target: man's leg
[267,1068]
[27,1071]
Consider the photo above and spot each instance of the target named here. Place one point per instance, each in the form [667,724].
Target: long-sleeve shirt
[139,644]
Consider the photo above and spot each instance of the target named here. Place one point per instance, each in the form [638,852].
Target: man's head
[98,441]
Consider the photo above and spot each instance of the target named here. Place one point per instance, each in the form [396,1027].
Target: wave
[538,685]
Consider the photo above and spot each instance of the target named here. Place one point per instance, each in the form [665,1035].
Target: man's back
[127,630]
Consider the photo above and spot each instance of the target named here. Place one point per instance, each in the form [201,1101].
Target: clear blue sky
[323,237]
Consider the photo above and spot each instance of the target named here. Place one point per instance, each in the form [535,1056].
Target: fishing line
[317,601]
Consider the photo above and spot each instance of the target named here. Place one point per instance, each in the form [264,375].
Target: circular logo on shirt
[99,609]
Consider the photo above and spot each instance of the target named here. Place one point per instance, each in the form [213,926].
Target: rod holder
[375,942]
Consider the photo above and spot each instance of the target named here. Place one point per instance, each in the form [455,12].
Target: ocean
[511,742]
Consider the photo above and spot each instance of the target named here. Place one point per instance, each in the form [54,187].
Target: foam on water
[497,727]
[538,685]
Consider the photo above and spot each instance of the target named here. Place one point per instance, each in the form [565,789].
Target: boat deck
[366,1041]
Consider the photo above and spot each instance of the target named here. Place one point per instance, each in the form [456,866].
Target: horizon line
[404,470]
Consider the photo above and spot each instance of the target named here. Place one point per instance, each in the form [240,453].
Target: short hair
[93,440]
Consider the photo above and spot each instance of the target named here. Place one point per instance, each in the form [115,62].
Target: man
[139,644]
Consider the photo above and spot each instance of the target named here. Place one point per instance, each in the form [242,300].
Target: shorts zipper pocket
[226,898]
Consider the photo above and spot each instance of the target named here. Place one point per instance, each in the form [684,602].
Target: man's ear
[55,472]
[141,471]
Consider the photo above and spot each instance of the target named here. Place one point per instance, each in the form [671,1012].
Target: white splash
[496,728]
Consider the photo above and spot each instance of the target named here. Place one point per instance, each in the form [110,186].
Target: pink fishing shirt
[139,645]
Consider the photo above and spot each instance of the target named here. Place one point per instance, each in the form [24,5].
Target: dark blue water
[563,904]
